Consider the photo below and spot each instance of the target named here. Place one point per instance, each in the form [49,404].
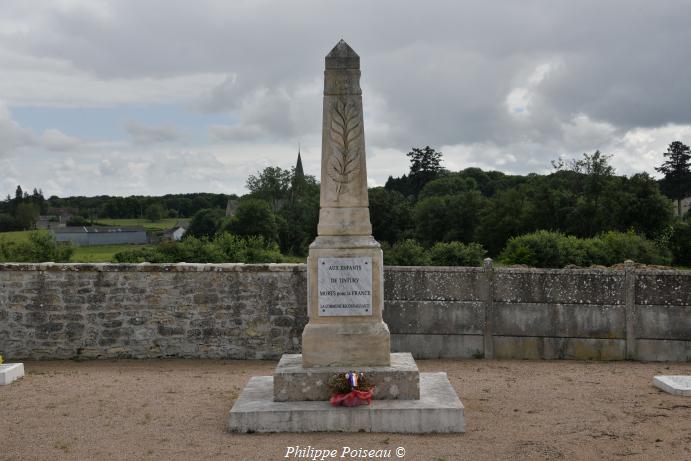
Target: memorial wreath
[350,389]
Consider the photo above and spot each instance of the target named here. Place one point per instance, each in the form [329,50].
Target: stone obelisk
[345,300]
[345,265]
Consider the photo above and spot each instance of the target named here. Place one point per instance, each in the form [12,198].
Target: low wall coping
[299,267]
[149,267]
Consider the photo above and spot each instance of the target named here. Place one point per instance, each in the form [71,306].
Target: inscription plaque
[345,286]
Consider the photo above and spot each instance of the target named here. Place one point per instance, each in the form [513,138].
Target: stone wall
[599,314]
[55,311]
[50,311]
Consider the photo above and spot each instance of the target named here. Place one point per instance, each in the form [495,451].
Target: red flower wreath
[350,389]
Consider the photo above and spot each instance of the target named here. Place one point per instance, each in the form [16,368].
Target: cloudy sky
[161,96]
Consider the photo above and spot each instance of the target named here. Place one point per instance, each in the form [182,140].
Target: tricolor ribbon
[352,378]
[352,398]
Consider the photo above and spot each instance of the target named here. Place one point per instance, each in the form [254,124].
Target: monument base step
[398,381]
[10,371]
[438,410]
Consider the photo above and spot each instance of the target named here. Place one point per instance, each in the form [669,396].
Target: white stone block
[10,371]
[677,385]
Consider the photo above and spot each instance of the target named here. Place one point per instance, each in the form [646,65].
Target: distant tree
[677,170]
[637,203]
[554,249]
[680,243]
[448,185]
[254,218]
[205,223]
[592,183]
[78,220]
[403,185]
[406,253]
[272,184]
[7,222]
[425,161]
[457,254]
[297,221]
[155,212]
[595,164]
[448,218]
[504,215]
[18,194]
[425,165]
[486,181]
[390,214]
[37,199]
[199,203]
[39,247]
[26,215]
[223,247]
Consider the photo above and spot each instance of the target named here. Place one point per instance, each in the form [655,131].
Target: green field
[82,254]
[16,236]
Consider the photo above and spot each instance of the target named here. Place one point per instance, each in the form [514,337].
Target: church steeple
[298,179]
[299,172]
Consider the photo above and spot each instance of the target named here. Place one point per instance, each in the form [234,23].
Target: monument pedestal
[296,399]
[293,382]
[353,345]
[346,326]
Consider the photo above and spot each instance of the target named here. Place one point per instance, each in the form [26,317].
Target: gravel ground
[178,409]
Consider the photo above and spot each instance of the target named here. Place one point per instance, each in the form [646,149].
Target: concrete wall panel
[438,346]
[560,320]
[535,348]
[663,350]
[434,284]
[438,317]
[663,288]
[663,322]
[559,286]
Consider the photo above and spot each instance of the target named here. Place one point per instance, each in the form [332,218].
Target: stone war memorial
[346,332]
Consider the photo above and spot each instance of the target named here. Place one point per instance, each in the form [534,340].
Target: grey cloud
[56,140]
[12,134]
[236,132]
[444,67]
[109,167]
[276,113]
[436,72]
[145,134]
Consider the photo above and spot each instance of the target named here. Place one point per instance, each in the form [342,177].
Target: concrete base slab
[438,410]
[678,385]
[10,371]
[398,381]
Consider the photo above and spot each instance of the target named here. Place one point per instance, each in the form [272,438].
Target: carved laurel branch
[345,132]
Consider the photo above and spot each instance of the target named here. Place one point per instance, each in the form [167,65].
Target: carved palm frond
[344,133]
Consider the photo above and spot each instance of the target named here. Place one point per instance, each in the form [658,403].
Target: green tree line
[21,211]
[581,213]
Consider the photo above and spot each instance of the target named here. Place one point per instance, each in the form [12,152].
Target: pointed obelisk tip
[342,56]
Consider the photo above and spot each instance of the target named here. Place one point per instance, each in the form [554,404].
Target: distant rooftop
[96,229]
